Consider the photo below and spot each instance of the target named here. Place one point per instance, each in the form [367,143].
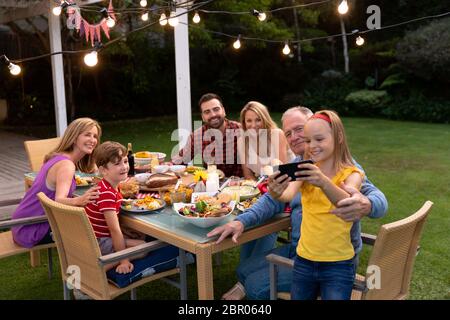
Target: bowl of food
[189,213]
[193,169]
[142,177]
[162,168]
[142,158]
[166,195]
[178,169]
[161,156]
[246,204]
[206,213]
[244,192]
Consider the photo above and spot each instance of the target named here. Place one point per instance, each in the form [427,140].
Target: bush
[426,51]
[419,108]
[329,93]
[367,102]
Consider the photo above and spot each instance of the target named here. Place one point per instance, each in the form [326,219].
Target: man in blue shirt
[253,270]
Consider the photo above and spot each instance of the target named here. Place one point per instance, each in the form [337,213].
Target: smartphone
[291,168]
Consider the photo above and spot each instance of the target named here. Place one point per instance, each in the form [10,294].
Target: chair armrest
[131,252]
[368,238]
[279,260]
[21,222]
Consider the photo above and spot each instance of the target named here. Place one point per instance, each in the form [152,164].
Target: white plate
[135,209]
[202,222]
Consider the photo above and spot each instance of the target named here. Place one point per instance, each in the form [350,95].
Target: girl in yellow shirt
[324,262]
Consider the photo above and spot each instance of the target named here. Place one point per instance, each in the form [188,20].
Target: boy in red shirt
[112,162]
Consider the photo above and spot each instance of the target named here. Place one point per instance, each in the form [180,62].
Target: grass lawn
[408,161]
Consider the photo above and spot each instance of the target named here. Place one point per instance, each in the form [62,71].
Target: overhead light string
[13,65]
[14,69]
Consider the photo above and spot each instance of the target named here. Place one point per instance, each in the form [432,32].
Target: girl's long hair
[75,128]
[342,155]
[267,121]
[261,111]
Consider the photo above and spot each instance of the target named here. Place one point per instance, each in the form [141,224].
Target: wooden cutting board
[186,180]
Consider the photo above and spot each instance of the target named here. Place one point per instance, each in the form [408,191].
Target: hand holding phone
[291,168]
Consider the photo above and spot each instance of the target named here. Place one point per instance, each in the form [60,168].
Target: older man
[253,272]
[216,140]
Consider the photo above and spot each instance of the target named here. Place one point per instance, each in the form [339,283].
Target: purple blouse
[30,235]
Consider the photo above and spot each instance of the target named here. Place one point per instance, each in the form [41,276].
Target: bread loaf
[159,180]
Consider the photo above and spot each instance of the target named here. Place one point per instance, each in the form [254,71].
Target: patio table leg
[205,273]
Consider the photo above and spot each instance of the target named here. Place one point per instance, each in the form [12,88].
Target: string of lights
[91,57]
[99,46]
[268,11]
[359,40]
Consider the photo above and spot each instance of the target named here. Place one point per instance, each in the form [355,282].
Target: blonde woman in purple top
[57,180]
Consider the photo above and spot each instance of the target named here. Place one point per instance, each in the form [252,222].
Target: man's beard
[221,120]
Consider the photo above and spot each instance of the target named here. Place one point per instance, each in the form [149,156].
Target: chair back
[394,252]
[77,245]
[38,149]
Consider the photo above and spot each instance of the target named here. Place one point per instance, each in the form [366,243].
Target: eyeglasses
[295,131]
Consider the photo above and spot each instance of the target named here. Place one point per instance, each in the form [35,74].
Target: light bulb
[91,59]
[262,16]
[173,20]
[57,10]
[286,49]
[196,18]
[163,19]
[14,69]
[143,3]
[360,41]
[343,7]
[144,17]
[110,22]
[237,44]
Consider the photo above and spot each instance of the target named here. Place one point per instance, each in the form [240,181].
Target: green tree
[426,51]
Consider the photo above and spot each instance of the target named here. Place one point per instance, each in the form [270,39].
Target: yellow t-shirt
[324,236]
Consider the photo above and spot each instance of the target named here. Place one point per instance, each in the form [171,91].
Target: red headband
[321,116]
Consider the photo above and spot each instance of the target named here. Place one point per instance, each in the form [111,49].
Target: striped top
[109,200]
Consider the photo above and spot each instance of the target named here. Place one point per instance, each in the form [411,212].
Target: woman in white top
[262,142]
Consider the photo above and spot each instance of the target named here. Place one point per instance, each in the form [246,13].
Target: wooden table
[204,250]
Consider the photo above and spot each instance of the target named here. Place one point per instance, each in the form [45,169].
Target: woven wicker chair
[78,247]
[37,149]
[394,252]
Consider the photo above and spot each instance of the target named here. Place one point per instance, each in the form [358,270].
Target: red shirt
[221,153]
[109,200]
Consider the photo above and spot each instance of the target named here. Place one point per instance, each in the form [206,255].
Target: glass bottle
[130,160]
